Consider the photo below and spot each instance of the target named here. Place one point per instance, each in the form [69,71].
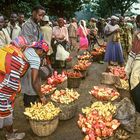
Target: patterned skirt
[114,53]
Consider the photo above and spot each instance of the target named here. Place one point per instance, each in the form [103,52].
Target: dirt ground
[67,130]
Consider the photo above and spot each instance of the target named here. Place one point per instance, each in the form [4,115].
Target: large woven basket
[108,78]
[73,82]
[44,128]
[67,110]
[63,85]
[83,72]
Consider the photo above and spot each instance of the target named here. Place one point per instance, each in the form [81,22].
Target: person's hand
[44,62]
[43,99]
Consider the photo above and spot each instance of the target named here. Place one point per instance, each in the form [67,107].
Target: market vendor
[133,67]
[113,54]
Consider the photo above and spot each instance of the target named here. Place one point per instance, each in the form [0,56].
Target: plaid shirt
[31,31]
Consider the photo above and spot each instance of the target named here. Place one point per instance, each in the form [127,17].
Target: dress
[126,39]
[83,39]
[113,50]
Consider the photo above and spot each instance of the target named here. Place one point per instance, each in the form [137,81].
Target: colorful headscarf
[41,45]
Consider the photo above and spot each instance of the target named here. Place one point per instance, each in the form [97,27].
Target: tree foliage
[109,7]
[60,8]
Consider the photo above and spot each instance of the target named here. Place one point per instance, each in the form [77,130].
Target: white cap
[114,17]
[45,18]
[127,19]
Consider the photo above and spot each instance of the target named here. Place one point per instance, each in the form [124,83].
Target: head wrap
[83,27]
[41,45]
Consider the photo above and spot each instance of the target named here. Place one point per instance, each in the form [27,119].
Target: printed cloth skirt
[114,53]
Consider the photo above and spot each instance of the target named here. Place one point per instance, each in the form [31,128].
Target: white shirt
[4,37]
[13,31]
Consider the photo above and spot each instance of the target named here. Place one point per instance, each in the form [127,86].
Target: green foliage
[109,7]
[62,8]
[59,8]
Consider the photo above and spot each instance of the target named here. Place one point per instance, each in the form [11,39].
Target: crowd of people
[25,45]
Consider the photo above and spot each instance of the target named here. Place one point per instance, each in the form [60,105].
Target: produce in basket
[46,89]
[123,84]
[86,56]
[118,71]
[75,74]
[41,112]
[104,110]
[104,93]
[83,61]
[97,125]
[56,78]
[66,96]
[98,51]
[82,66]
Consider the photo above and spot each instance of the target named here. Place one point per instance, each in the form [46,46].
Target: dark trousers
[28,99]
[135,94]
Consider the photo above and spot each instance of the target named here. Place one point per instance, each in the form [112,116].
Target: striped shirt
[10,85]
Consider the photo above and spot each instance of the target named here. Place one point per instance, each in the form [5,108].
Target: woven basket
[44,128]
[67,111]
[83,72]
[63,85]
[108,78]
[73,82]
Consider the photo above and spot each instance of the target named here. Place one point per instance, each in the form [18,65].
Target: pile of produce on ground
[41,112]
[56,78]
[66,96]
[97,121]
[118,71]
[104,93]
[46,89]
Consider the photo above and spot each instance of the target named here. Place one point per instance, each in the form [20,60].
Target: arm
[37,84]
